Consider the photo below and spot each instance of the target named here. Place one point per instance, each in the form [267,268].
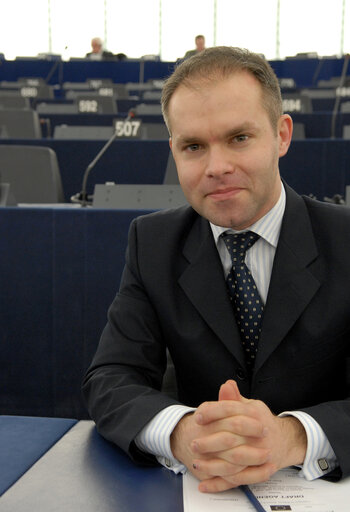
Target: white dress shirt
[155,436]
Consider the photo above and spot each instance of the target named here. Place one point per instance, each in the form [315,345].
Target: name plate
[343,91]
[29,92]
[88,106]
[291,105]
[128,129]
[106,91]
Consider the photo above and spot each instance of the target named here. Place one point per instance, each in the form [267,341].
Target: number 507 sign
[128,129]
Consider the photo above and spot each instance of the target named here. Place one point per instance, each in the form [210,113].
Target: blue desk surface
[23,440]
[83,472]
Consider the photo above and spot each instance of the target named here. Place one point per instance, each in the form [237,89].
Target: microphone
[82,196]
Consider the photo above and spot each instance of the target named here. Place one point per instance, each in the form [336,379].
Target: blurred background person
[98,53]
[200,45]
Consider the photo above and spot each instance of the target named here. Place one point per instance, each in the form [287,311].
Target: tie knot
[238,243]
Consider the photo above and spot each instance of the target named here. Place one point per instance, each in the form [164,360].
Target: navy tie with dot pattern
[247,304]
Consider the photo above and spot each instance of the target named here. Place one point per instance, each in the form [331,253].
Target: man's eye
[241,138]
[192,147]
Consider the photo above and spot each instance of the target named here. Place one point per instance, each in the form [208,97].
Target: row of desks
[317,124]
[305,71]
[313,166]
[54,465]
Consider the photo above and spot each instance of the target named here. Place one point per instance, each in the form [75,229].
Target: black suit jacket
[173,294]
[105,55]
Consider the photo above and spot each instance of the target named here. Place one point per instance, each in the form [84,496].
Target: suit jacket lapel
[292,285]
[204,283]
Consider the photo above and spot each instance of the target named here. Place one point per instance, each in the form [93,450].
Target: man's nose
[220,161]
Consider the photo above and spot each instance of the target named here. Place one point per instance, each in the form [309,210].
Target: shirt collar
[268,227]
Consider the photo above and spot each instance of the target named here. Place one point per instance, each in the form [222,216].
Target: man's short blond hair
[221,62]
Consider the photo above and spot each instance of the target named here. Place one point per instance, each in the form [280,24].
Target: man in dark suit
[261,346]
[200,46]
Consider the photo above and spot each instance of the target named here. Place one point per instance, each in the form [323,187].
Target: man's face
[200,44]
[226,150]
[96,46]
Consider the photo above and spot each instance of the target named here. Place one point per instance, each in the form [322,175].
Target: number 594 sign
[128,129]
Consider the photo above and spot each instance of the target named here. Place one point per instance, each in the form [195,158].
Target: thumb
[230,391]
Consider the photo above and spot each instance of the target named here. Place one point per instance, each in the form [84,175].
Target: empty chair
[334,81]
[67,132]
[56,108]
[32,172]
[152,95]
[144,109]
[155,131]
[20,124]
[13,101]
[298,131]
[345,107]
[171,177]
[346,131]
[76,86]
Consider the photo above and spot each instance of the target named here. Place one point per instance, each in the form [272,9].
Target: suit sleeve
[122,385]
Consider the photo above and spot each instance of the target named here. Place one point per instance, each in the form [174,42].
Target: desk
[83,472]
[23,441]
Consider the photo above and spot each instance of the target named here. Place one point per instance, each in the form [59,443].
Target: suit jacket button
[240,373]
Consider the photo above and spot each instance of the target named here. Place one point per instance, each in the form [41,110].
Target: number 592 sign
[128,129]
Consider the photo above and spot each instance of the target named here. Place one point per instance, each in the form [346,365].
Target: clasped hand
[236,441]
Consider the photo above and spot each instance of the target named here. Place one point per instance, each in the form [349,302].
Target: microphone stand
[83,193]
[338,97]
[92,165]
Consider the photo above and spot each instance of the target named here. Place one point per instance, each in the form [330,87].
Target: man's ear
[284,132]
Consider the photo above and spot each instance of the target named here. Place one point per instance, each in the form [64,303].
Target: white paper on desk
[284,491]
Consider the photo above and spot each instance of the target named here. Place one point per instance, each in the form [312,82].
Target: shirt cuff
[154,438]
[320,458]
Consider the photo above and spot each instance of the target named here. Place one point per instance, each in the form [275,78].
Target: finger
[248,476]
[213,411]
[231,461]
[242,426]
[216,442]
[229,391]
[215,467]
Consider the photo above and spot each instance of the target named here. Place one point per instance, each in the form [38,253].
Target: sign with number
[343,91]
[106,91]
[291,105]
[128,129]
[88,106]
[29,92]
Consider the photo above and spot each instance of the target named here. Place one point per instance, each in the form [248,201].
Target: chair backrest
[152,95]
[21,124]
[148,109]
[56,108]
[64,131]
[155,131]
[32,172]
[346,131]
[298,131]
[345,107]
[12,101]
[171,177]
